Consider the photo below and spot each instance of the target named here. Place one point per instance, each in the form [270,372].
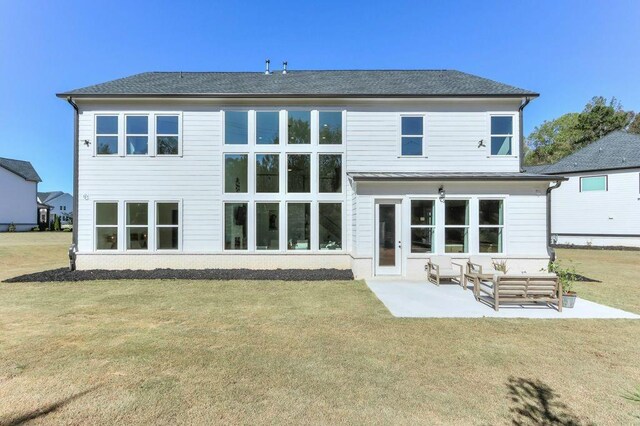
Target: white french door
[388,241]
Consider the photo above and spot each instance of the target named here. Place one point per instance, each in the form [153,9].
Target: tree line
[555,139]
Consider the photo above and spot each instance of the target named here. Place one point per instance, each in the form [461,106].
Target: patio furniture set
[493,286]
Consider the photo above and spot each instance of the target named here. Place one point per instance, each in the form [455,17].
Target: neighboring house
[61,205]
[370,170]
[18,188]
[600,203]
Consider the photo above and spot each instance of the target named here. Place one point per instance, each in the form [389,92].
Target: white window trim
[150,148]
[249,219]
[606,183]
[423,136]
[150,222]
[255,227]
[514,146]
[313,228]
[342,226]
[250,168]
[342,180]
[255,174]
[468,226]
[434,227]
[342,117]
[156,134]
[255,132]
[157,226]
[95,134]
[312,127]
[96,226]
[501,227]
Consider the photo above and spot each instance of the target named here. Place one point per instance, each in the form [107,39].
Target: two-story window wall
[283,180]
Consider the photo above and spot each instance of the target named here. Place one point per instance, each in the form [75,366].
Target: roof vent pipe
[284,67]
[266,66]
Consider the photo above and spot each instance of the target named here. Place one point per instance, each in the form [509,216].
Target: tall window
[330,169]
[298,226]
[106,134]
[299,173]
[593,183]
[456,226]
[137,226]
[267,172]
[167,134]
[106,226]
[167,226]
[491,221]
[412,135]
[267,127]
[235,173]
[299,127]
[236,127]
[330,226]
[137,135]
[267,226]
[235,226]
[330,128]
[501,135]
[422,226]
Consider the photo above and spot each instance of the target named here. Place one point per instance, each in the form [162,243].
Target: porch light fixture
[441,193]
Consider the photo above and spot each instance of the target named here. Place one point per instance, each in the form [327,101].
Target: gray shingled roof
[456,176]
[24,169]
[45,197]
[617,150]
[362,83]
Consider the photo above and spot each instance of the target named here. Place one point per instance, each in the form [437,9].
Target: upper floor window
[330,173]
[137,134]
[501,135]
[412,129]
[299,127]
[235,173]
[330,128]
[106,134]
[593,183]
[267,127]
[167,134]
[236,127]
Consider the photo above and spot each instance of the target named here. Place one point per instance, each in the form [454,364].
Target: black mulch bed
[64,274]
[584,279]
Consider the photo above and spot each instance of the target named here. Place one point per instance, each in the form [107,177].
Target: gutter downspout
[74,241]
[523,104]
[550,250]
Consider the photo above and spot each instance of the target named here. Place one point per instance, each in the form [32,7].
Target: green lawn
[282,352]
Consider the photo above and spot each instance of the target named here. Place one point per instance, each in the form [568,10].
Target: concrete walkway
[420,299]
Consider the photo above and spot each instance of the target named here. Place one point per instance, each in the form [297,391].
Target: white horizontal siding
[17,201]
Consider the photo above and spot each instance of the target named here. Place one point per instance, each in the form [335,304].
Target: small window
[267,226]
[267,173]
[330,226]
[106,226]
[330,128]
[235,173]
[299,173]
[412,135]
[167,137]
[167,226]
[501,135]
[422,226]
[491,221]
[267,128]
[137,135]
[137,226]
[298,226]
[593,183]
[456,226]
[235,226]
[236,127]
[299,127]
[330,170]
[106,134]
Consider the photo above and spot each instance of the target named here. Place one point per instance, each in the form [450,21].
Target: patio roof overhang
[451,176]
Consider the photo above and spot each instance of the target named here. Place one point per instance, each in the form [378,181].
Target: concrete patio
[420,299]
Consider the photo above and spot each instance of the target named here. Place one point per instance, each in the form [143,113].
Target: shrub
[566,276]
[56,224]
[12,227]
[500,265]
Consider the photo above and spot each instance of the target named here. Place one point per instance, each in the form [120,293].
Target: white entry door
[388,248]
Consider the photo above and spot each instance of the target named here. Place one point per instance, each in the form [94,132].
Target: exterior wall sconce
[442,193]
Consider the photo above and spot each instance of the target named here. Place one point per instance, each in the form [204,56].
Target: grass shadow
[535,403]
[43,411]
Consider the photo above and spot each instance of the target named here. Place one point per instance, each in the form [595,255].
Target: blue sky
[568,51]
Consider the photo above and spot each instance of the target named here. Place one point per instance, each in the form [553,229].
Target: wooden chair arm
[476,266]
[459,266]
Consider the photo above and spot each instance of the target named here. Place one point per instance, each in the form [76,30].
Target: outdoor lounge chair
[519,289]
[479,267]
[441,268]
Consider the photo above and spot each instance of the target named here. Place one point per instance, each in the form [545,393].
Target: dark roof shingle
[24,169]
[364,83]
[617,150]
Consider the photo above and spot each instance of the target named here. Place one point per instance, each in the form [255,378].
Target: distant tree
[555,139]
[634,127]
[57,226]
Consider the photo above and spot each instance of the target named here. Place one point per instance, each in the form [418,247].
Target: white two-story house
[375,171]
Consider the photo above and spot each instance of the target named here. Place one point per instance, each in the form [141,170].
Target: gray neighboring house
[600,203]
[18,189]
[61,204]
